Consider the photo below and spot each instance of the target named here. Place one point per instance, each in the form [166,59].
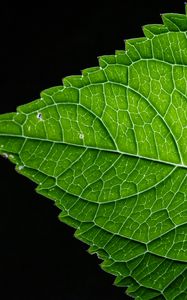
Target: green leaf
[109,147]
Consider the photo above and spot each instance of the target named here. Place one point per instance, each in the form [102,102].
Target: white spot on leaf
[20,168]
[39,116]
[81,136]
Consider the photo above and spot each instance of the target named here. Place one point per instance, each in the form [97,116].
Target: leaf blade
[109,148]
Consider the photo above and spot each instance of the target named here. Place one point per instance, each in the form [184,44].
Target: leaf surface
[109,147]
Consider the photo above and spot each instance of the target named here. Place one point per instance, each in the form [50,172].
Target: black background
[39,45]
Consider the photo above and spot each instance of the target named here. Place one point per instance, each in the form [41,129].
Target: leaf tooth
[105,60]
[139,48]
[93,249]
[132,44]
[131,50]
[136,41]
[120,52]
[31,107]
[144,293]
[77,81]
[122,58]
[50,91]
[95,74]
[127,281]
[68,94]
[154,29]
[175,22]
[102,62]
[85,226]
[48,94]
[88,71]
[116,268]
[101,253]
[65,218]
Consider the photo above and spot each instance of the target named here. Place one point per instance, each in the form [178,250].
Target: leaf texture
[109,147]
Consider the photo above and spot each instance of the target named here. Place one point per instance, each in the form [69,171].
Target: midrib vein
[151,159]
